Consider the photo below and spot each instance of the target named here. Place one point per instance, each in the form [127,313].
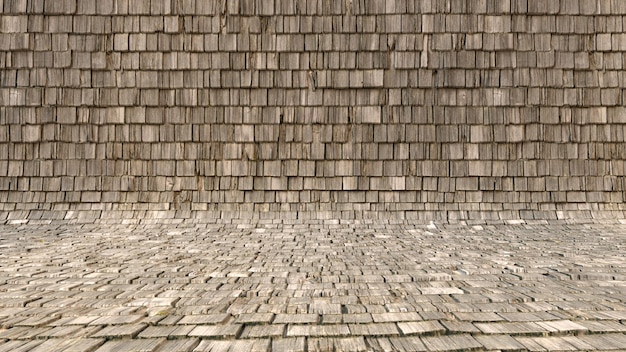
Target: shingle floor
[193,285]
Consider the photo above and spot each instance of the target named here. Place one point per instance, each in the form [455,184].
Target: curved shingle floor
[194,285]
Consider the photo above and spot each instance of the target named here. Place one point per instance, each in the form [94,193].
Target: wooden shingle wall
[355,108]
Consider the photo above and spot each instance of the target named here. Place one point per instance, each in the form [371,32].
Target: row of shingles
[97,312]
[556,323]
[561,325]
[227,60]
[331,69]
[330,335]
[316,342]
[187,325]
[207,318]
[562,299]
[539,179]
[330,332]
[434,343]
[38,286]
[46,318]
[29,318]
[572,198]
[282,319]
[612,342]
[409,326]
[316,334]
[103,323]
[483,128]
[313,7]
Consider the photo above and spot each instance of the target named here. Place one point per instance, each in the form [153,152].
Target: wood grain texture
[465,109]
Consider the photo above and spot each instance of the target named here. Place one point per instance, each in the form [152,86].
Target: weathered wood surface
[180,285]
[480,109]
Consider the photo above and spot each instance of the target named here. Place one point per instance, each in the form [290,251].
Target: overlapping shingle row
[420,107]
